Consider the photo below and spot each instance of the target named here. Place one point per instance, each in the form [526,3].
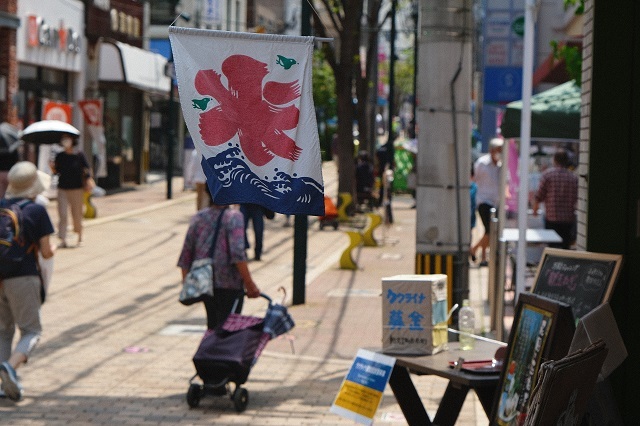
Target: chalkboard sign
[583,280]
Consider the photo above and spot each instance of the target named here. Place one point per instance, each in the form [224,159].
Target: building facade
[9,25]
[131,83]
[609,194]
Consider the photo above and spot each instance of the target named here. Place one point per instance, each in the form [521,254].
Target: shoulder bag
[198,283]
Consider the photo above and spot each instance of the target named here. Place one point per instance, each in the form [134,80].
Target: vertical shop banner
[247,101]
[56,110]
[92,111]
[361,391]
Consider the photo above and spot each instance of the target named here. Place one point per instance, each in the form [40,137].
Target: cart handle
[266,297]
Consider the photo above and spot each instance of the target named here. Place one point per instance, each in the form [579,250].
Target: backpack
[13,247]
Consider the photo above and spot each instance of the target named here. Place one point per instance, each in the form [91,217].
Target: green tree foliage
[324,98]
[579,9]
[324,85]
[404,70]
[571,55]
[404,74]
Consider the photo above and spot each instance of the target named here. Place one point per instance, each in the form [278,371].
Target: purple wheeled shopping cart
[226,354]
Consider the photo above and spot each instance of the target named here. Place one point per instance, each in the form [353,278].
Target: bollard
[346,260]
[374,221]
[345,201]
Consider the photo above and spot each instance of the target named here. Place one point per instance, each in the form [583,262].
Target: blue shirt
[36,224]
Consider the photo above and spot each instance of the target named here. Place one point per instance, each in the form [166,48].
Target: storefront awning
[555,114]
[144,70]
[554,70]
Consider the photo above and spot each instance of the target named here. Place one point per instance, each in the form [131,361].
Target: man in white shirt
[487,177]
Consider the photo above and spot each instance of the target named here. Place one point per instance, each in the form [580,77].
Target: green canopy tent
[555,114]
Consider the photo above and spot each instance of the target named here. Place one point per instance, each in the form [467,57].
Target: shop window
[27,71]
[54,77]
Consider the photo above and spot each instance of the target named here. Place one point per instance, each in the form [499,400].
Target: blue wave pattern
[231,181]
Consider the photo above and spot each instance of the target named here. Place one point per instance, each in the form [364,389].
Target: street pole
[414,105]
[301,221]
[390,153]
[171,131]
[530,12]
[171,135]
[392,79]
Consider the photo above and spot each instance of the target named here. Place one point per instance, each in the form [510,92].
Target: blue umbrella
[277,320]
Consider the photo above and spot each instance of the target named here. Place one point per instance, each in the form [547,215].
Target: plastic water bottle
[466,324]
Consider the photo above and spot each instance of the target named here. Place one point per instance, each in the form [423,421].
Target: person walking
[200,181]
[487,177]
[255,213]
[364,181]
[231,272]
[558,190]
[20,289]
[74,177]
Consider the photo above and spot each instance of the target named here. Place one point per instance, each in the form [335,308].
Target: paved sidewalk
[117,345]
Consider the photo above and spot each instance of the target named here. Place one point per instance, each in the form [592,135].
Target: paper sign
[414,314]
[361,391]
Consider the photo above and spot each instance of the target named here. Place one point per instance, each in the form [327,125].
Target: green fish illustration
[201,103]
[285,62]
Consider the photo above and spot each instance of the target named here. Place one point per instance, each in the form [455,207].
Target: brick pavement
[117,346]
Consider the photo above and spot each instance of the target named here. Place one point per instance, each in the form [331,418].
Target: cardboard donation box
[414,314]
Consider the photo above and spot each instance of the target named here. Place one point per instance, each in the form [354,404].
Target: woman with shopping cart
[232,278]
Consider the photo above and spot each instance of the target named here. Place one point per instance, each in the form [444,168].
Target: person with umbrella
[74,177]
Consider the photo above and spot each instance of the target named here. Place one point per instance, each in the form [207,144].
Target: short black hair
[561,158]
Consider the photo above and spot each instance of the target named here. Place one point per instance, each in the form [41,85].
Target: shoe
[473,258]
[10,383]
[257,258]
[62,244]
[484,263]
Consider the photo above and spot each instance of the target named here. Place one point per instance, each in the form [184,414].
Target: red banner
[91,111]
[56,110]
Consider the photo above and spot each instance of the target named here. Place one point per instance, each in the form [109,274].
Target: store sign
[121,20]
[41,34]
[123,23]
[56,110]
[92,110]
[211,15]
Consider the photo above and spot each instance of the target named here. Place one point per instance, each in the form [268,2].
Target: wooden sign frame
[582,279]
[542,330]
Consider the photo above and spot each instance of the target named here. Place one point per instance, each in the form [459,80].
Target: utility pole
[443,162]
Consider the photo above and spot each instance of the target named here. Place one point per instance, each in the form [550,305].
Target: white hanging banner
[247,102]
